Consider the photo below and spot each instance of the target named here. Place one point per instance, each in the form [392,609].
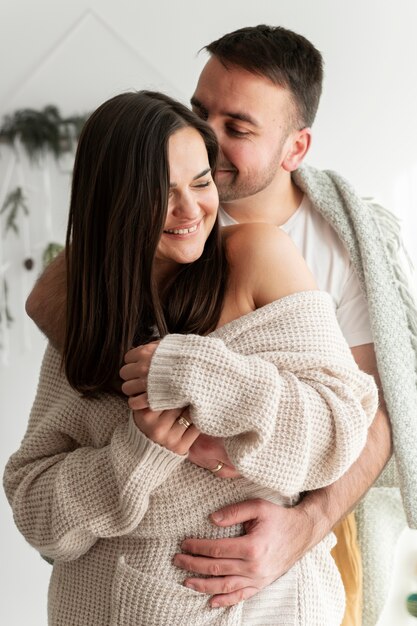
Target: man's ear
[297,149]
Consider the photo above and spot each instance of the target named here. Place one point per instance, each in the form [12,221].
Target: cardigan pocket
[138,599]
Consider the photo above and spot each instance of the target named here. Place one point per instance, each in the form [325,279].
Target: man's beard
[236,188]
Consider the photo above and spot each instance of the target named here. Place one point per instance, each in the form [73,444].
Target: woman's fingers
[132,371]
[141,353]
[172,429]
[134,387]
[138,403]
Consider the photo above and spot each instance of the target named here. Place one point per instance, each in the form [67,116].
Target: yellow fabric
[347,556]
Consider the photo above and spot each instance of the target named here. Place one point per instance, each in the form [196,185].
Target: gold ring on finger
[184,422]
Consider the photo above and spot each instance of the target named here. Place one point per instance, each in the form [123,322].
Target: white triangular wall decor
[89,64]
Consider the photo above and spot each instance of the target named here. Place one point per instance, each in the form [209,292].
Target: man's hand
[276,537]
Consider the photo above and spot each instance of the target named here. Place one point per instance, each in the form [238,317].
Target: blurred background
[70,57]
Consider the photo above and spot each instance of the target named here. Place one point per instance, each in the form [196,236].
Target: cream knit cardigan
[111,507]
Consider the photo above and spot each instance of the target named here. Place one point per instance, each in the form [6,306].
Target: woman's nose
[186,206]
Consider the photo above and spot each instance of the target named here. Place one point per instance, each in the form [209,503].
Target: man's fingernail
[215,605]
[189,585]
[217,517]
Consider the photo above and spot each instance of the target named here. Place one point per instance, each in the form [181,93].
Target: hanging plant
[4,311]
[50,252]
[42,131]
[4,306]
[37,133]
[14,202]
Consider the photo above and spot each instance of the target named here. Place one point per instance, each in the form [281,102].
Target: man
[259,91]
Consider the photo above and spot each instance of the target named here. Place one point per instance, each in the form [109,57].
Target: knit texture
[89,490]
[266,383]
[371,235]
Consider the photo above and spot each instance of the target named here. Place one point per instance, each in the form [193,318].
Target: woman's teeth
[181,231]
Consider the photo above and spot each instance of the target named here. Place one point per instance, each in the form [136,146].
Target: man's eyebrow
[243,117]
[196,177]
[196,103]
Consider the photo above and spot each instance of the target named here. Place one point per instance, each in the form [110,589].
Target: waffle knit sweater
[111,507]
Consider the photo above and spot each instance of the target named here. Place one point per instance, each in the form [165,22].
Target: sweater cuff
[161,392]
[160,461]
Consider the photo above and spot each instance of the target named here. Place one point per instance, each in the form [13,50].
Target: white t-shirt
[329,263]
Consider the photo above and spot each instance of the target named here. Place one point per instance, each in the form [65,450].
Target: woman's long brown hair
[117,214]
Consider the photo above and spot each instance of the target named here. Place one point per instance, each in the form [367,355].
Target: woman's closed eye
[203,184]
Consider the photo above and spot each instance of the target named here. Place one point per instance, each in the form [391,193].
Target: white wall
[77,54]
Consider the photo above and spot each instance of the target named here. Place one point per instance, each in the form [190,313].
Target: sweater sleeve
[84,471]
[294,415]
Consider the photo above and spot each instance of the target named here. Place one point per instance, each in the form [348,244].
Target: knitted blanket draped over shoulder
[371,235]
[372,238]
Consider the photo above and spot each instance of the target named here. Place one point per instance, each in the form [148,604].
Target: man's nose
[218,129]
[215,124]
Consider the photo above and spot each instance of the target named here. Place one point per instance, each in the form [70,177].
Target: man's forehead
[234,112]
[235,92]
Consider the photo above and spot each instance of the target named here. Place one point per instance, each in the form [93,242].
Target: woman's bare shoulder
[265,259]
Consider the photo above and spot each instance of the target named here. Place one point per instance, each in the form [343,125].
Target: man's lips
[221,170]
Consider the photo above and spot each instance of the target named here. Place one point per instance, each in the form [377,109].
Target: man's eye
[235,132]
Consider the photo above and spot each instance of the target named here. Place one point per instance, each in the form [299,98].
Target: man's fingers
[227,548]
[230,599]
[225,591]
[238,513]
[211,567]
[221,585]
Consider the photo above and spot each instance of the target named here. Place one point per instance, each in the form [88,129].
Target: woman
[109,495]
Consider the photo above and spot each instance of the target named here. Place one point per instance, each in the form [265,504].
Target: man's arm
[47,302]
[337,500]
[277,537]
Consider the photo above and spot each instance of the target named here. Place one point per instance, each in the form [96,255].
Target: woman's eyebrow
[196,177]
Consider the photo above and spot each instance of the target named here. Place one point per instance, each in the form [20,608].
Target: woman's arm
[294,416]
[84,471]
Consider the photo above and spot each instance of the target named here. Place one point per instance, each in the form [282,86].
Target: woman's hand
[135,372]
[171,429]
[204,451]
[208,452]
[160,426]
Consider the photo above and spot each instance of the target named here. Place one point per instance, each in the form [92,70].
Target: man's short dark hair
[286,58]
